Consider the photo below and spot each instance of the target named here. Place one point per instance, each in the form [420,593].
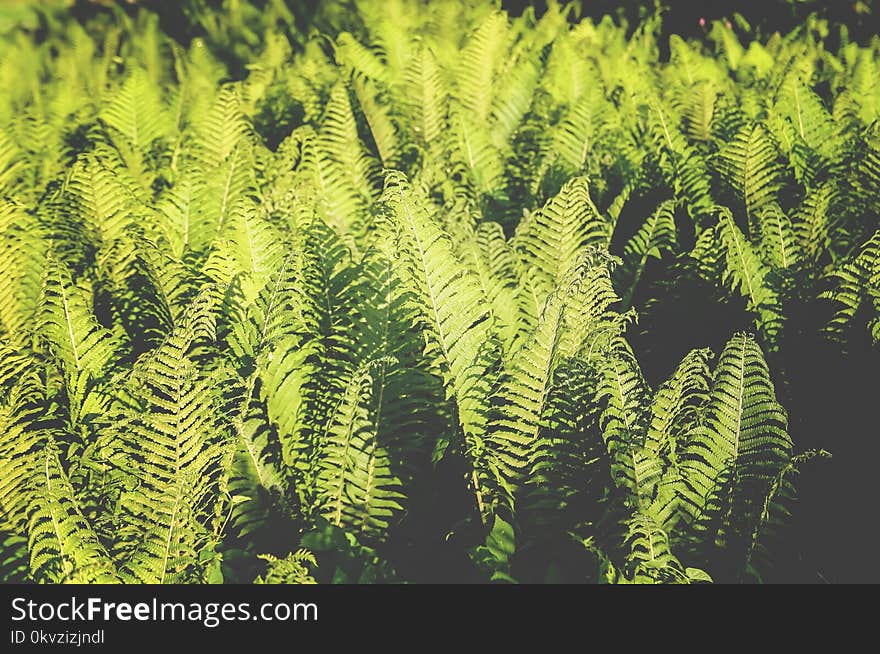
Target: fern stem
[479,495]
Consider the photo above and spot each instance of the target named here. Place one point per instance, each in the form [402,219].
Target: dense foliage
[427,297]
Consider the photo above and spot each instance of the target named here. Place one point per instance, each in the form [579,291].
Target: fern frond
[479,62]
[779,245]
[684,167]
[175,443]
[251,249]
[494,261]
[359,58]
[426,97]
[460,339]
[746,273]
[103,202]
[379,118]
[813,135]
[512,102]
[524,391]
[292,569]
[650,558]
[68,323]
[63,546]
[273,339]
[344,166]
[623,422]
[554,236]
[356,485]
[473,146]
[453,306]
[676,406]
[575,137]
[813,222]
[593,323]
[748,164]
[169,281]
[699,111]
[741,446]
[256,483]
[220,130]
[136,112]
[177,211]
[407,395]
[857,285]
[23,251]
[21,417]
[81,345]
[654,236]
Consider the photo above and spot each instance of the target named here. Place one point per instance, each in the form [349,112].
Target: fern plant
[284,307]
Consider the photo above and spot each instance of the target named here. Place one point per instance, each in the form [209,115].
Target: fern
[480,59]
[733,456]
[325,299]
[700,111]
[81,345]
[425,96]
[746,273]
[676,406]
[857,285]
[779,245]
[139,117]
[622,423]
[813,226]
[651,559]
[461,339]
[654,236]
[748,164]
[292,569]
[810,131]
[19,456]
[221,130]
[23,258]
[175,444]
[525,389]
[553,237]
[356,485]
[63,546]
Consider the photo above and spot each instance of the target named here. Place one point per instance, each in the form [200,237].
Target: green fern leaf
[746,273]
[742,445]
[136,112]
[356,485]
[63,546]
[779,245]
[23,252]
[857,285]
[748,164]
[175,442]
[654,236]
[554,236]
